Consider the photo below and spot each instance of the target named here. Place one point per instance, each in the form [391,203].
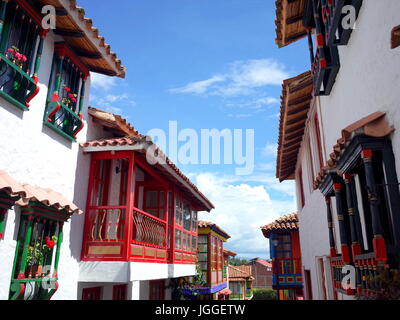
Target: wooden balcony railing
[16,86]
[338,276]
[148,230]
[286,273]
[333,18]
[107,235]
[63,120]
[325,69]
[367,272]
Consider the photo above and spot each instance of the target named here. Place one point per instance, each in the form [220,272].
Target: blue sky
[206,64]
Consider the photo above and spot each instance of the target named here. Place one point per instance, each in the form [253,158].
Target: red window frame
[186,246]
[94,293]
[319,142]
[302,198]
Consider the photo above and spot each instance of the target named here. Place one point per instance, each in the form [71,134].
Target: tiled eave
[289,21]
[83,38]
[287,223]
[163,164]
[214,227]
[374,125]
[295,104]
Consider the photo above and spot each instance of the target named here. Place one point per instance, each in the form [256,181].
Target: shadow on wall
[80,192]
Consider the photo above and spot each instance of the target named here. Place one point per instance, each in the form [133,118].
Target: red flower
[11,50]
[50,243]
[1,236]
[70,95]
[73,100]
[67,89]
[24,58]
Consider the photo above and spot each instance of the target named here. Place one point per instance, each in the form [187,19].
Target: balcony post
[337,187]
[320,38]
[3,9]
[82,96]
[332,243]
[378,241]
[352,210]
[42,35]
[28,234]
[58,250]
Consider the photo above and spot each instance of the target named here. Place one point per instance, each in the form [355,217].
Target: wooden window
[66,93]
[203,253]
[94,293]
[35,257]
[157,290]
[186,223]
[154,202]
[120,292]
[18,39]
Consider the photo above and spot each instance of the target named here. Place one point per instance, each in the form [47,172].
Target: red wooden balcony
[136,214]
[286,273]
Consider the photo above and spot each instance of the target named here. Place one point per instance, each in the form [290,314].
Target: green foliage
[187,283]
[236,261]
[387,286]
[264,294]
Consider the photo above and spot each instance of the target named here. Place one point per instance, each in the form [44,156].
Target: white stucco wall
[34,154]
[367,82]
[110,271]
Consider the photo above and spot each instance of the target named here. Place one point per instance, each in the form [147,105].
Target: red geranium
[50,243]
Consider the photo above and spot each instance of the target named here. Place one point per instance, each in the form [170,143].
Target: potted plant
[70,99]
[16,57]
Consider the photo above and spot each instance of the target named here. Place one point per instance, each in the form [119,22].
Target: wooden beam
[69,33]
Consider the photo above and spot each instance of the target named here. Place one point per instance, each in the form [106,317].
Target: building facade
[212,260]
[284,244]
[44,91]
[339,142]
[84,214]
[240,282]
[261,271]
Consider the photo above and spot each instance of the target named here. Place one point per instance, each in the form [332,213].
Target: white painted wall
[34,154]
[110,271]
[367,82]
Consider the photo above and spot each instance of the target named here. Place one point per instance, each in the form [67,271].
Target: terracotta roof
[83,38]
[142,143]
[213,226]
[27,193]
[289,21]
[295,104]
[225,292]
[239,273]
[113,122]
[373,125]
[263,262]
[229,253]
[289,222]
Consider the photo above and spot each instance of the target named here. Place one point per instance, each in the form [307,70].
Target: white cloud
[99,81]
[241,209]
[198,87]
[241,79]
[270,149]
